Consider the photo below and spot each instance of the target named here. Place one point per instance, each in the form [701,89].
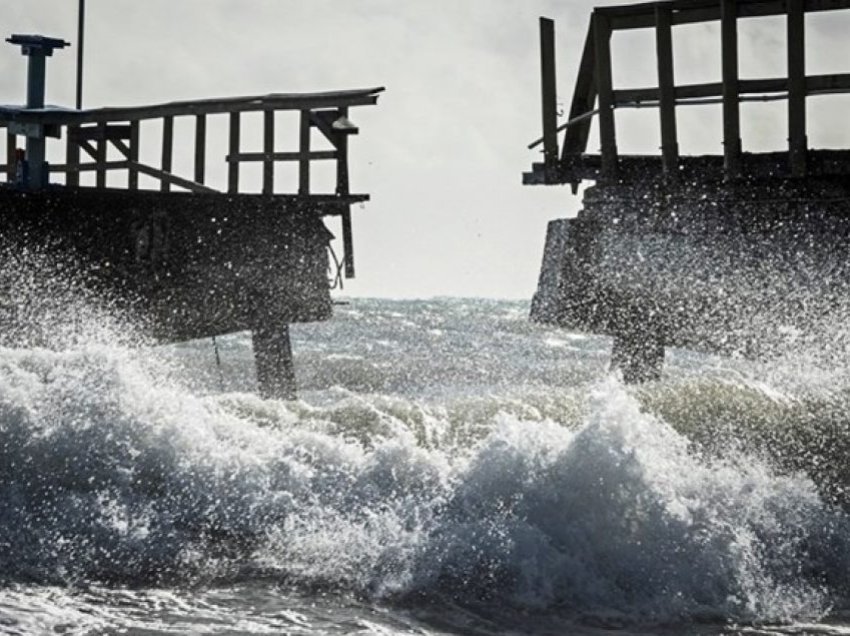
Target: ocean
[448,468]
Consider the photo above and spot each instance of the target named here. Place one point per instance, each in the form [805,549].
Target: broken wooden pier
[189,260]
[729,252]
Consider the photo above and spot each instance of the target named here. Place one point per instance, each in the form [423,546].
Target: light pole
[81,19]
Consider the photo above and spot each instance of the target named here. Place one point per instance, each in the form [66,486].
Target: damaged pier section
[187,260]
[727,253]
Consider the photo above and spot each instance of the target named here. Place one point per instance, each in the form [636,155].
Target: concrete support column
[273,359]
[639,355]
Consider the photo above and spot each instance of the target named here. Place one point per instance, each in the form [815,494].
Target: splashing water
[444,454]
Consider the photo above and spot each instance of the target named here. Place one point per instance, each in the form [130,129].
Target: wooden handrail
[294,101]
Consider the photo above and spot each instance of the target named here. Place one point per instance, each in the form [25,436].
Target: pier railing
[596,96]
[91,136]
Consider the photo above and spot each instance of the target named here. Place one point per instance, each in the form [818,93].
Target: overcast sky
[443,151]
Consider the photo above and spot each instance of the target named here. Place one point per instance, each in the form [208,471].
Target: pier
[733,252]
[187,259]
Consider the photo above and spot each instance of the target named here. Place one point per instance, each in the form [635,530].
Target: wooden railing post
[797,140]
[268,151]
[167,150]
[11,156]
[100,161]
[607,127]
[548,89]
[233,151]
[342,190]
[200,148]
[72,158]
[666,90]
[731,98]
[304,149]
[133,172]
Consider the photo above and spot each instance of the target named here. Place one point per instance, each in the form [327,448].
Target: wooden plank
[584,99]
[233,150]
[667,90]
[72,158]
[731,102]
[315,155]
[607,127]
[11,146]
[200,148]
[167,150]
[548,90]
[132,172]
[268,151]
[304,153]
[100,158]
[290,101]
[797,141]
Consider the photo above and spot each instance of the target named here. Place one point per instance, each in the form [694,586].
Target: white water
[444,454]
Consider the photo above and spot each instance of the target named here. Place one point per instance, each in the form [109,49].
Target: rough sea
[449,468]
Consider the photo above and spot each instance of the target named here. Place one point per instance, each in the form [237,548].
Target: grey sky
[443,152]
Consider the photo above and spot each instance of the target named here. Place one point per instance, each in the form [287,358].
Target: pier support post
[273,359]
[639,355]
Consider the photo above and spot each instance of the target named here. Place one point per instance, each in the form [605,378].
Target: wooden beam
[167,150]
[797,140]
[72,158]
[815,84]
[315,155]
[200,148]
[97,133]
[304,152]
[268,150]
[132,172]
[667,90]
[731,102]
[640,16]
[172,179]
[607,127]
[233,168]
[548,90]
[69,169]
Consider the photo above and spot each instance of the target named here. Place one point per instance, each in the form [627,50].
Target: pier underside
[730,267]
[185,265]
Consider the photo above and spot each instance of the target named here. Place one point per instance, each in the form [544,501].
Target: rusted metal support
[304,151]
[607,127]
[167,149]
[100,156]
[731,98]
[268,151]
[233,166]
[667,90]
[273,360]
[797,140]
[549,94]
[133,157]
[200,148]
